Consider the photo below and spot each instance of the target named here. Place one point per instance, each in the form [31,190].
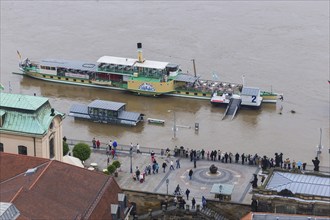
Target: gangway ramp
[232,107]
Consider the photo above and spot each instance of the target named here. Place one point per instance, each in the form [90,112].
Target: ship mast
[193,60]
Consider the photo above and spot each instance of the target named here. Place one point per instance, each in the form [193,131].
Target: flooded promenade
[277,45]
[201,183]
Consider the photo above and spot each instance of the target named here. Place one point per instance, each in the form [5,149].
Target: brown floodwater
[283,46]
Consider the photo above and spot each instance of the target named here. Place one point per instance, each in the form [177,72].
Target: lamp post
[174,123]
[130,155]
[167,182]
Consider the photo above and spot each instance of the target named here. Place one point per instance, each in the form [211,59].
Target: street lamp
[174,123]
[167,182]
[130,155]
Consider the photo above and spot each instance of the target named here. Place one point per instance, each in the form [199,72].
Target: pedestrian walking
[171,165]
[138,148]
[190,174]
[193,203]
[137,173]
[203,202]
[164,166]
[110,145]
[195,161]
[177,163]
[152,154]
[94,143]
[187,193]
[98,143]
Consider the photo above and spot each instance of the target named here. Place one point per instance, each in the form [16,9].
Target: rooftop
[56,190]
[108,105]
[26,114]
[300,183]
[77,65]
[22,102]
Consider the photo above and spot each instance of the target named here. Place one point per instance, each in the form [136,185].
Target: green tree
[116,163]
[111,169]
[65,148]
[82,151]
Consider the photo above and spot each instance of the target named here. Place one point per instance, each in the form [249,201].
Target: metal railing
[121,147]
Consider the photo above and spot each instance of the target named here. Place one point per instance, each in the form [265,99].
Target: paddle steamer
[140,76]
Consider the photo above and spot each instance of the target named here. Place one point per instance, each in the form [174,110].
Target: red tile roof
[57,190]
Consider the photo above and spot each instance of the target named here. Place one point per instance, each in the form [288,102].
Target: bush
[82,151]
[111,169]
[65,148]
[116,163]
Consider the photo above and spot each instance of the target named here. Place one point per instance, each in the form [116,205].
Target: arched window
[1,147]
[22,150]
[51,148]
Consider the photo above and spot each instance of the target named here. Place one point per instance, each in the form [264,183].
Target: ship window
[178,92]
[22,150]
[51,77]
[47,68]
[44,75]
[82,81]
[187,93]
[1,147]
[195,93]
[52,68]
[204,94]
[58,77]
[66,78]
[74,80]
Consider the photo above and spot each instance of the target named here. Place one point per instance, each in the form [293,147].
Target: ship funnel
[139,49]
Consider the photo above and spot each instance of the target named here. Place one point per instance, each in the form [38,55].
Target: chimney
[139,49]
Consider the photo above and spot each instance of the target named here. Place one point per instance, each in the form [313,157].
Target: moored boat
[140,76]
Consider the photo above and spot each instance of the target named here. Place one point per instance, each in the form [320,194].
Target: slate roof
[113,106]
[249,91]
[56,190]
[26,114]
[8,211]
[300,183]
[185,78]
[68,64]
[129,116]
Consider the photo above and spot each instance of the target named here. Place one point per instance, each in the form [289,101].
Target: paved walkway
[200,185]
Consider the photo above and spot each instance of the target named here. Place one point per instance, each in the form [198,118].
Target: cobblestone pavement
[200,185]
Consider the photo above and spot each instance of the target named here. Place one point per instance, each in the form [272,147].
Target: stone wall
[291,205]
[146,200]
[228,209]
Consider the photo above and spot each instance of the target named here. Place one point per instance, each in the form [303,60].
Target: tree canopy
[82,151]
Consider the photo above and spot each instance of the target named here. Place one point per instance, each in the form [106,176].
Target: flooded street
[280,46]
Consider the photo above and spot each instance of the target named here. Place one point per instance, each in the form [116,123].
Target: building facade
[30,126]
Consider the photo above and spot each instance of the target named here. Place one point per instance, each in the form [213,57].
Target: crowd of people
[264,162]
